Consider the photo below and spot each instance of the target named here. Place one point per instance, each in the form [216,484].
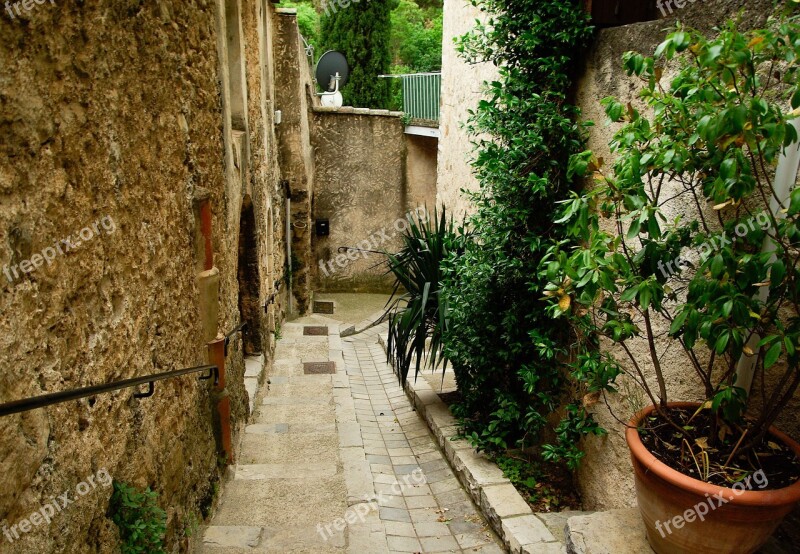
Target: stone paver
[340,463]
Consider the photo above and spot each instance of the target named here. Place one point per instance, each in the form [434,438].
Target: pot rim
[785,496]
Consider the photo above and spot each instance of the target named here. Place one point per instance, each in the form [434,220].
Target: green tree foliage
[416,42]
[362,31]
[308,20]
[504,347]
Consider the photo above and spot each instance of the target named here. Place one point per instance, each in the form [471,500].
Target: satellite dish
[329,66]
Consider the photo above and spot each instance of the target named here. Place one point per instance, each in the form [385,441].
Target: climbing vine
[505,349]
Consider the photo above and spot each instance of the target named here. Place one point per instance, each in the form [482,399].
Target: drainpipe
[785,179]
[289,248]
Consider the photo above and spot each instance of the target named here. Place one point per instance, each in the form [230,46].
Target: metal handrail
[32,403]
[276,291]
[230,335]
[346,249]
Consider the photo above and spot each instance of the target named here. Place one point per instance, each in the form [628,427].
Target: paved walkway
[340,463]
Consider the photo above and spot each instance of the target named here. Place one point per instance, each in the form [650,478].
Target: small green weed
[142,524]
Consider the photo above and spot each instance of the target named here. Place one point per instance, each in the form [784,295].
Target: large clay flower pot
[683,515]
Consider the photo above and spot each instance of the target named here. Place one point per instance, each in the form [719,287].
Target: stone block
[232,536]
[526,530]
[503,501]
[612,532]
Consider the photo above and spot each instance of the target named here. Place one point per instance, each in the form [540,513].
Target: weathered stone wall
[462,89]
[122,110]
[368,175]
[295,98]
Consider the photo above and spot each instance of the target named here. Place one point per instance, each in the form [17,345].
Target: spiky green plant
[414,311]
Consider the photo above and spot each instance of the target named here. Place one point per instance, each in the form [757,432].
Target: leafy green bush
[308,20]
[504,347]
[142,524]
[416,38]
[714,139]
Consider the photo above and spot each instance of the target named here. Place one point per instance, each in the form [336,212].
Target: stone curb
[503,507]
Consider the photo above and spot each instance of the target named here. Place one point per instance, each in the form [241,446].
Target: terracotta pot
[672,503]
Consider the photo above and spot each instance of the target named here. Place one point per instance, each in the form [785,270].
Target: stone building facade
[462,89]
[143,215]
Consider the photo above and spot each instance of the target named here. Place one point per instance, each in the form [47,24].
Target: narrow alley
[340,462]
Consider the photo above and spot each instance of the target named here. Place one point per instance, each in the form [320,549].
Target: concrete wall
[462,86]
[421,168]
[368,175]
[128,111]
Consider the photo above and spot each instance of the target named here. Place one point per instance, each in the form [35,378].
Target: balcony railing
[421,93]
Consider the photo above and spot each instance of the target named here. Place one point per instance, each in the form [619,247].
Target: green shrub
[505,349]
[362,33]
[715,134]
[142,524]
[416,315]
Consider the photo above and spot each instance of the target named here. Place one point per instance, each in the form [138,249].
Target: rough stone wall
[462,89]
[113,109]
[264,182]
[368,175]
[605,476]
[295,99]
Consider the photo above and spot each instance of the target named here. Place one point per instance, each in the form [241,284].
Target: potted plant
[689,244]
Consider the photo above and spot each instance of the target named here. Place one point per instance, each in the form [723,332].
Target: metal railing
[27,404]
[421,94]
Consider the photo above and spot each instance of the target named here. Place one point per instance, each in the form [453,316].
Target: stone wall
[368,175]
[122,120]
[462,86]
[295,98]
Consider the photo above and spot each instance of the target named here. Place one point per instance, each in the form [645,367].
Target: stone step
[253,370]
[220,537]
[623,532]
[296,470]
[611,532]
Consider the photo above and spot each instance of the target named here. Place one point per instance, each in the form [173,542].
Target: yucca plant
[414,310]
